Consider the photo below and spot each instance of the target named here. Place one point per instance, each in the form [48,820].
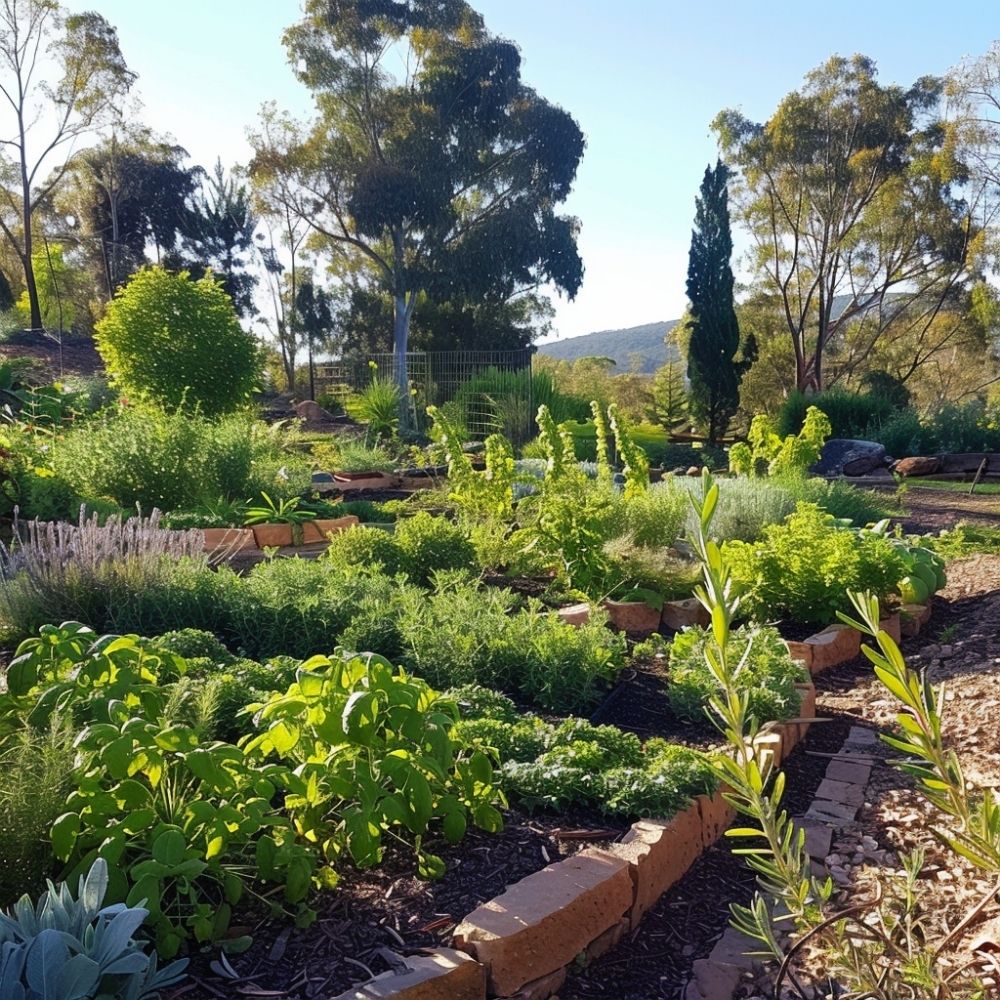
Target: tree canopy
[856,207]
[443,181]
[42,120]
[713,329]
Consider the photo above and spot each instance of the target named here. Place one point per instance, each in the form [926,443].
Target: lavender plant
[57,571]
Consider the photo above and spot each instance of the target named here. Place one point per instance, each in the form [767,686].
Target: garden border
[521,944]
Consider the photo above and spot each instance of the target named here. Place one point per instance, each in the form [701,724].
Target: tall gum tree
[858,209]
[61,78]
[442,178]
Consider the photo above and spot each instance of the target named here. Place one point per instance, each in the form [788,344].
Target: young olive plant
[884,946]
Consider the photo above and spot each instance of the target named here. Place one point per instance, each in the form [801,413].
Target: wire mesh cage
[487,391]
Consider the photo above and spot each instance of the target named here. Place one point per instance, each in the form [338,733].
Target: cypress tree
[713,372]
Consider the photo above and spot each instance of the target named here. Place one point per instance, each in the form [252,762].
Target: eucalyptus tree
[431,168]
[128,198]
[61,78]
[858,211]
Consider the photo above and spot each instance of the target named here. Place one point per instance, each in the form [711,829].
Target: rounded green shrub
[768,674]
[178,343]
[427,544]
[365,547]
[190,643]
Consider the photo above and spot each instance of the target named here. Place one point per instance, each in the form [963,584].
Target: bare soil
[929,510]
[52,361]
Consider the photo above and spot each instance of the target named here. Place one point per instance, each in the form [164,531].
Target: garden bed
[375,910]
[656,959]
[960,646]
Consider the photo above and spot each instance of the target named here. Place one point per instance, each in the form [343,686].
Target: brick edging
[522,943]
[836,804]
[837,644]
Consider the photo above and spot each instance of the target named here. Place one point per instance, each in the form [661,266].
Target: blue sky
[643,78]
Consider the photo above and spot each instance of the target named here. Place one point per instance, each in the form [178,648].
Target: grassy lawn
[982,489]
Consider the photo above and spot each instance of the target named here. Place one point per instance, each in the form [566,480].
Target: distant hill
[645,344]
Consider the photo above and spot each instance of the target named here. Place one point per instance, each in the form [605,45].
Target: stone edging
[521,944]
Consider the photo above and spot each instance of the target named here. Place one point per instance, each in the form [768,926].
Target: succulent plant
[74,949]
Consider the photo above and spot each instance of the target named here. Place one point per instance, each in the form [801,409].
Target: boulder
[847,457]
[918,465]
[311,412]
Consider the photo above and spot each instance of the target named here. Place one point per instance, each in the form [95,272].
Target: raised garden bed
[227,542]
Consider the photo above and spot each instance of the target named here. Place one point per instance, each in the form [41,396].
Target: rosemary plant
[885,946]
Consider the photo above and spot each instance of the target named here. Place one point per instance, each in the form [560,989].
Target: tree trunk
[801,373]
[312,371]
[29,266]
[400,343]
[31,287]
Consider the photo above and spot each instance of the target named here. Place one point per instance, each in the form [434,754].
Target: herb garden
[361,640]
[225,750]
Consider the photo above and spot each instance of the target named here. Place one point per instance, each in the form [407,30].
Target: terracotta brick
[541,989]
[807,708]
[607,941]
[546,920]
[682,614]
[717,816]
[321,528]
[658,853]
[834,645]
[575,614]
[439,974]
[893,626]
[634,617]
[228,541]
[912,618]
[800,651]
[849,770]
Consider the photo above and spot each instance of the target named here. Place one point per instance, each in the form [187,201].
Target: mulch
[388,909]
[638,704]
